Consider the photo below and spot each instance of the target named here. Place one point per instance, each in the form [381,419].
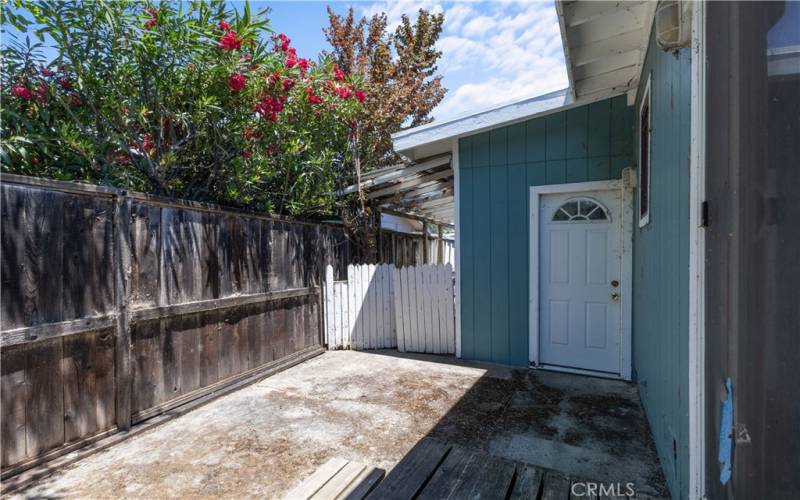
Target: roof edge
[503,116]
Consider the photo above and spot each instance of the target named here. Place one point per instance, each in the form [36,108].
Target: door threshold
[577,371]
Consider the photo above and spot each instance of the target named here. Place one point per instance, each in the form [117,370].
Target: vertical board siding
[383,307]
[59,261]
[661,267]
[496,168]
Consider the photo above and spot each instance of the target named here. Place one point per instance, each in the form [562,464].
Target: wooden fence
[119,306]
[380,307]
[406,249]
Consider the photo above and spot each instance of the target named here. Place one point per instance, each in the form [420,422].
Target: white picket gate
[383,307]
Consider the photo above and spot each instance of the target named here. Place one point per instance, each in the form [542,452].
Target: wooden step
[338,479]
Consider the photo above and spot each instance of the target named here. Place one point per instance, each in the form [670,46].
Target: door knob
[615,296]
[614,283]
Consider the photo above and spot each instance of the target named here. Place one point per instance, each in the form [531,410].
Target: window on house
[644,157]
[582,209]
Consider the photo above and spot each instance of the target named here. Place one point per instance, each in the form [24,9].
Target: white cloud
[492,52]
[477,96]
[478,26]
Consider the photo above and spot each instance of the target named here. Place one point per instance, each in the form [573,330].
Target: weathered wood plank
[44,398]
[146,279]
[12,252]
[340,481]
[123,345]
[200,306]
[88,370]
[364,484]
[13,398]
[555,486]
[448,475]
[528,483]
[313,483]
[44,244]
[485,477]
[149,366]
[411,475]
[52,330]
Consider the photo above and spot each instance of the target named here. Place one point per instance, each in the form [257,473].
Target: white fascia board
[507,114]
[562,25]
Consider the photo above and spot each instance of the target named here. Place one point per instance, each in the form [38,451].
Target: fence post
[440,244]
[425,249]
[122,273]
[329,305]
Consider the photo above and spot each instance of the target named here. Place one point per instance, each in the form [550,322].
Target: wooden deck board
[364,484]
[485,479]
[528,483]
[411,475]
[556,486]
[313,483]
[338,479]
[435,470]
[449,475]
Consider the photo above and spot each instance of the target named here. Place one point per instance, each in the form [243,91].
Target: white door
[579,280]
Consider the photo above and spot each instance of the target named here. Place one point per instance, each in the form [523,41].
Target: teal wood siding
[496,168]
[661,267]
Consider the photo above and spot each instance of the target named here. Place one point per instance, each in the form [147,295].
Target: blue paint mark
[726,435]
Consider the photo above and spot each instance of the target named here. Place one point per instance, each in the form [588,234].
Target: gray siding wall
[661,266]
[496,168]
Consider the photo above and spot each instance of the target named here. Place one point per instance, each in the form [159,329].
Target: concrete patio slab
[372,407]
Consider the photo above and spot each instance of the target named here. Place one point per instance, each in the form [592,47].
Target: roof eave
[565,46]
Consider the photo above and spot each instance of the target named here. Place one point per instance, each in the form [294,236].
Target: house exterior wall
[496,168]
[661,266]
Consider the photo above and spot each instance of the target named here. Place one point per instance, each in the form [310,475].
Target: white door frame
[697,252]
[536,192]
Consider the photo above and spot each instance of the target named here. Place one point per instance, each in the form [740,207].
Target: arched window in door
[581,209]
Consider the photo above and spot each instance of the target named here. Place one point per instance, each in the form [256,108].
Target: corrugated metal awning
[420,189]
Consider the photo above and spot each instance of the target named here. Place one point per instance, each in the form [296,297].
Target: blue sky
[493,52]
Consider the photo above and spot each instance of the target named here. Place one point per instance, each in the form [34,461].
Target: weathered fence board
[379,307]
[406,249]
[118,306]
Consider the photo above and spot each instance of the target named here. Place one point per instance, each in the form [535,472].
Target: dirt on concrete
[372,407]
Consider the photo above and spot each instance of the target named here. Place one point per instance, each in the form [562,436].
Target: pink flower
[288,84]
[65,83]
[247,153]
[302,63]
[337,73]
[236,82]
[291,58]
[343,92]
[41,93]
[360,95]
[224,26]
[229,41]
[285,41]
[269,107]
[46,72]
[21,92]
[153,15]
[313,99]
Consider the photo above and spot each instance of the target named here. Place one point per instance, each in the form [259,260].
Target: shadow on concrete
[584,427]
